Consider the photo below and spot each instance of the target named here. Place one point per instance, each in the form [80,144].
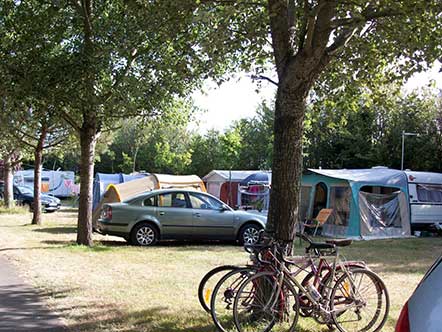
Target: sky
[238,98]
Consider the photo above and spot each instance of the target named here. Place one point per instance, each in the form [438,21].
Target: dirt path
[21,306]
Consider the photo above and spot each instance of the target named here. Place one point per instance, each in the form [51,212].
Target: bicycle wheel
[208,283]
[261,305]
[359,302]
[221,302]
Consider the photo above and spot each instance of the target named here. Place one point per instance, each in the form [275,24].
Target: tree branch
[24,134]
[292,24]
[262,77]
[58,142]
[22,140]
[311,19]
[235,2]
[303,29]
[77,6]
[120,76]
[278,13]
[341,40]
[325,13]
[70,120]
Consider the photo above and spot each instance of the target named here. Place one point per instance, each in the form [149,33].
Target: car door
[175,215]
[211,219]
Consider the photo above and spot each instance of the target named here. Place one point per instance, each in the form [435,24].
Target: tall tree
[316,41]
[109,60]
[310,36]
[36,130]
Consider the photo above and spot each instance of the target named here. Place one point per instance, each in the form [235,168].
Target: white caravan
[425,190]
[55,183]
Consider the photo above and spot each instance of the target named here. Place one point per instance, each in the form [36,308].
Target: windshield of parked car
[25,190]
[201,201]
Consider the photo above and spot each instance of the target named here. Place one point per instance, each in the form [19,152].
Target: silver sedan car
[423,311]
[178,214]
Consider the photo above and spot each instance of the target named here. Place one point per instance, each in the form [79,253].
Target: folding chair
[319,221]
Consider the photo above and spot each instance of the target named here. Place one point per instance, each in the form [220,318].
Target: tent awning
[380,176]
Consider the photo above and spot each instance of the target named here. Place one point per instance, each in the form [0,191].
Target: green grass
[14,210]
[117,287]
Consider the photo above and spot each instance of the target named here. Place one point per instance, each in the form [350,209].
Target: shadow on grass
[191,244]
[57,230]
[110,243]
[27,248]
[68,210]
[73,246]
[156,319]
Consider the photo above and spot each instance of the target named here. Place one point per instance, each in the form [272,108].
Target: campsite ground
[117,287]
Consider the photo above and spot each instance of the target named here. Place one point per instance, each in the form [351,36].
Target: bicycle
[208,283]
[269,299]
[221,303]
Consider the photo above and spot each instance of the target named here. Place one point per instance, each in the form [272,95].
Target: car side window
[150,201]
[204,202]
[175,200]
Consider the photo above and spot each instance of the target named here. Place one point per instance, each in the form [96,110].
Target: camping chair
[319,221]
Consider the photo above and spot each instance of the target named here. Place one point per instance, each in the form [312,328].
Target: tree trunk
[135,160]
[88,138]
[287,162]
[38,155]
[8,179]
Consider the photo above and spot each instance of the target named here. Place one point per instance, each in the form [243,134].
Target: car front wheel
[144,235]
[249,234]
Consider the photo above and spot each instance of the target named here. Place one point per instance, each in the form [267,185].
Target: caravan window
[429,193]
[340,203]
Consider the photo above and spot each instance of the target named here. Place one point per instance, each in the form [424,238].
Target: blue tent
[103,180]
[366,203]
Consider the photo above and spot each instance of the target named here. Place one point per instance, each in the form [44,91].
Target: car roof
[165,191]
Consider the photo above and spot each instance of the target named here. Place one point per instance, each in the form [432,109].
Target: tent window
[380,207]
[429,193]
[340,203]
[305,202]
[379,190]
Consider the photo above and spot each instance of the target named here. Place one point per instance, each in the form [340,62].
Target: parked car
[25,196]
[423,311]
[178,214]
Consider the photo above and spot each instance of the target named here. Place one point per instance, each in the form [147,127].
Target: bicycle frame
[285,274]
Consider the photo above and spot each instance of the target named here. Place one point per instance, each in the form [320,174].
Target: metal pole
[403,148]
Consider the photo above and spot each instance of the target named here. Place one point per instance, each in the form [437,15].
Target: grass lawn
[117,287]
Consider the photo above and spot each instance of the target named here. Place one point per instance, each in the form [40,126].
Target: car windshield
[25,190]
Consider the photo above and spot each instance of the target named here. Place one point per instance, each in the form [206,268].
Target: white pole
[403,148]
